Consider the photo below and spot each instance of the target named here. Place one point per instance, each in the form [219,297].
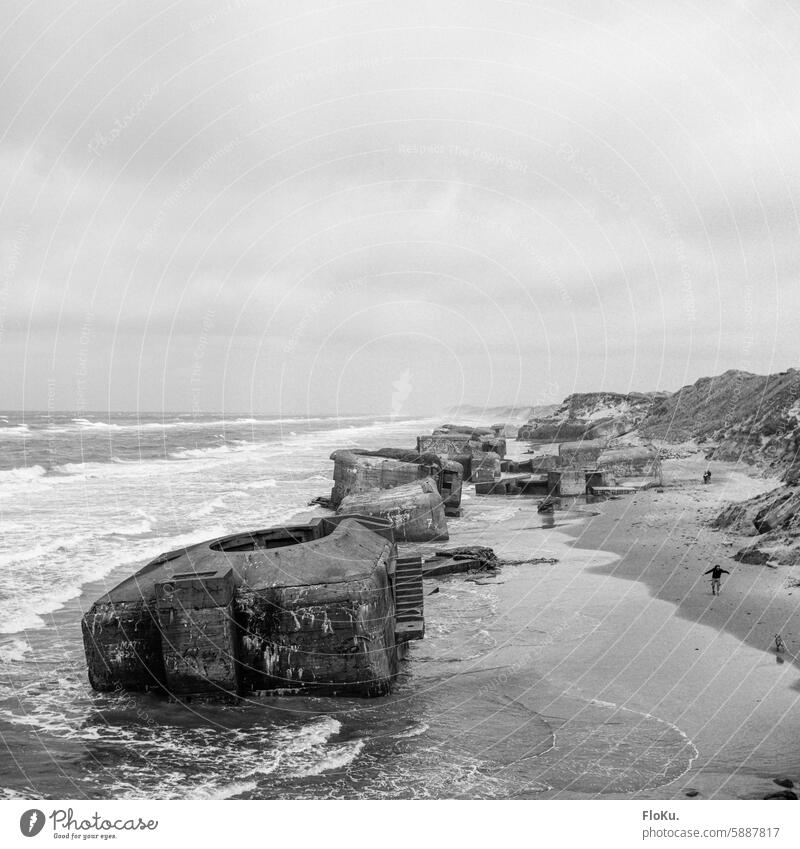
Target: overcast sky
[379,207]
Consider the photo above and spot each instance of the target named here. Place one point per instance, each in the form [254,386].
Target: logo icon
[31,822]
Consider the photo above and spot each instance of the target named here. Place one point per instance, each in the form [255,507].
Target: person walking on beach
[716,573]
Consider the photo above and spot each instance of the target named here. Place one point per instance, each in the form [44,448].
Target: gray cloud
[493,197]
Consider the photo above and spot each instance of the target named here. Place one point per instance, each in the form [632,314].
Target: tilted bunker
[325,606]
[415,510]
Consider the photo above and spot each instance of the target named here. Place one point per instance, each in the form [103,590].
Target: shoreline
[706,664]
[631,625]
[617,653]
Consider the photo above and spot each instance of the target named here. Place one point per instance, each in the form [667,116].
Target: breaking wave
[23,474]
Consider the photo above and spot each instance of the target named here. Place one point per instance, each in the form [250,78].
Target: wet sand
[611,673]
[651,685]
[706,663]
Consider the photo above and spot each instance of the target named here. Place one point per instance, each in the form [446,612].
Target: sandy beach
[609,673]
[651,686]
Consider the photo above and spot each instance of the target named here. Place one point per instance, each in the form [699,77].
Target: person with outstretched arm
[716,573]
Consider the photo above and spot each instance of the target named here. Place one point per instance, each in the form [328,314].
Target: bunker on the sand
[326,606]
[462,448]
[571,482]
[507,431]
[583,453]
[486,467]
[638,465]
[453,445]
[448,474]
[415,510]
[358,472]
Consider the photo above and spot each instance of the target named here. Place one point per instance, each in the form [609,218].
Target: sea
[87,500]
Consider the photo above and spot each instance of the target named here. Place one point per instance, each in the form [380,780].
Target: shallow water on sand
[479,710]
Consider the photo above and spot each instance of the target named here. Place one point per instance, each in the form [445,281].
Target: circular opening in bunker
[272,538]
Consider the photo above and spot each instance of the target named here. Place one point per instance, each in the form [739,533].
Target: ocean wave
[22,474]
[84,424]
[44,549]
[134,529]
[14,650]
[84,469]
[337,757]
[16,430]
[47,427]
[197,453]
[416,730]
[15,619]
[225,791]
[87,424]
[315,734]
[268,483]
[191,763]
[46,591]
[219,503]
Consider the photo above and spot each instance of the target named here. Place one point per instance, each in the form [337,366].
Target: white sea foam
[225,791]
[95,521]
[337,757]
[47,591]
[133,529]
[211,507]
[41,550]
[16,430]
[14,618]
[269,483]
[316,733]
[84,424]
[23,474]
[13,650]
[415,731]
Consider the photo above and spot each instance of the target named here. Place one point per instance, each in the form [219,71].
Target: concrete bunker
[415,510]
[325,606]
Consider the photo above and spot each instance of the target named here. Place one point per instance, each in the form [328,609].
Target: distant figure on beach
[716,573]
[706,476]
[779,646]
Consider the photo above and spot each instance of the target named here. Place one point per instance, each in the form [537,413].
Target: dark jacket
[716,571]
